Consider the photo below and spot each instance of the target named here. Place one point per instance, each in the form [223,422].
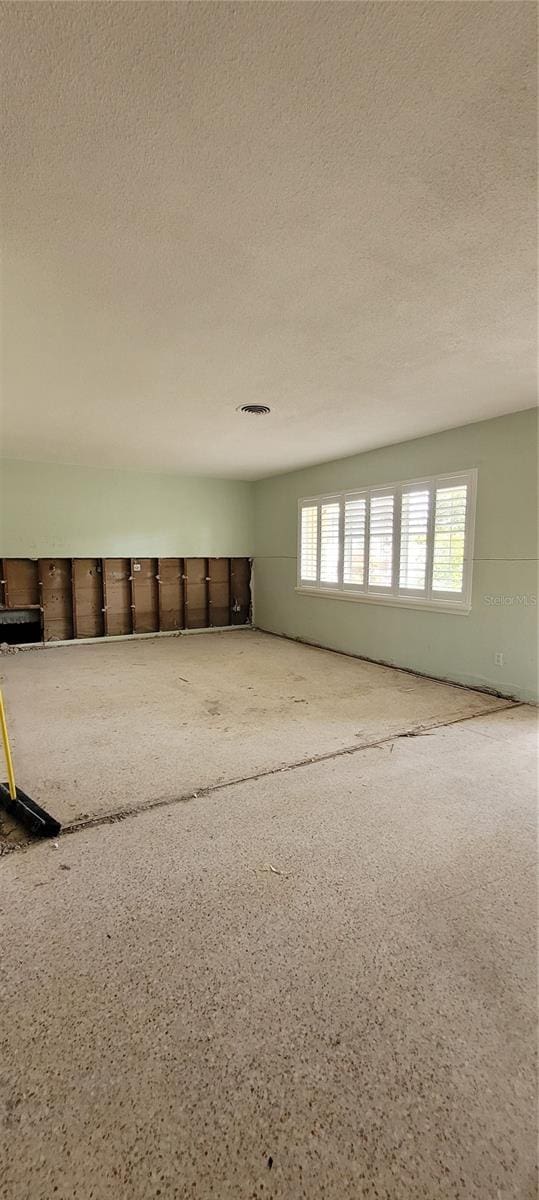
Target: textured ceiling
[327,208]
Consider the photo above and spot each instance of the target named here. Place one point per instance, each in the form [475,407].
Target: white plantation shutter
[330,521]
[415,511]
[381,540]
[309,543]
[355,522]
[449,538]
[406,543]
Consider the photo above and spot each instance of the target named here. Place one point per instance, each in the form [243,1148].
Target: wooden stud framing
[87,598]
[240,581]
[92,597]
[117,596]
[144,591]
[171,594]
[196,593]
[56,598]
[21,583]
[219,591]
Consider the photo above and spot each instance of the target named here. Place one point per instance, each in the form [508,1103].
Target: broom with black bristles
[17,803]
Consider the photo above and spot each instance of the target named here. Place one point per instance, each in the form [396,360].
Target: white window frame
[395,595]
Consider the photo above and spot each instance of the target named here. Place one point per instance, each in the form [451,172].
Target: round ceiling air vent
[254,410]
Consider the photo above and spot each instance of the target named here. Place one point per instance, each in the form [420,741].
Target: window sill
[444,606]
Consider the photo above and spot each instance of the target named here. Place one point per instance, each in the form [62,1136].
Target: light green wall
[451,646]
[78,511]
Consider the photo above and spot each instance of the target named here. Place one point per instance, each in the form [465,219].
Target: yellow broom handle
[7,751]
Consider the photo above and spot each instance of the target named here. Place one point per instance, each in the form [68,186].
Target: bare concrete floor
[104,727]
[181,1020]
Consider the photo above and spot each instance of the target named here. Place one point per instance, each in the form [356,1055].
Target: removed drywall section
[219,591]
[93,597]
[145,592]
[196,593]
[240,591]
[87,584]
[56,599]
[504,601]
[20,607]
[73,512]
[117,596]
[171,594]
[21,583]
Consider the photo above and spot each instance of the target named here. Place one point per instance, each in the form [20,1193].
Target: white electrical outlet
[498,658]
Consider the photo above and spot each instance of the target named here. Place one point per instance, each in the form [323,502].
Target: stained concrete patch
[110,726]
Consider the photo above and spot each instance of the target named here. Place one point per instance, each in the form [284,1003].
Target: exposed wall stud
[144,588]
[87,597]
[56,598]
[171,594]
[117,596]
[21,583]
[240,578]
[219,591]
[196,593]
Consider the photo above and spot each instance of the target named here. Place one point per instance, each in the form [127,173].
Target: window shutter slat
[381,541]
[449,538]
[355,519]
[329,542]
[309,543]
[413,543]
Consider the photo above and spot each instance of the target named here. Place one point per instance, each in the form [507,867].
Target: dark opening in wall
[20,628]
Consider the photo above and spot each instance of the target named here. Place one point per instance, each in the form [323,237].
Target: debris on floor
[12,835]
[274,870]
[414,733]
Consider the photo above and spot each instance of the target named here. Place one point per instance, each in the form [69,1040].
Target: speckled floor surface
[110,726]
[175,1013]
